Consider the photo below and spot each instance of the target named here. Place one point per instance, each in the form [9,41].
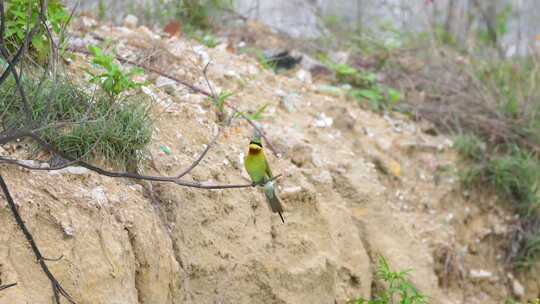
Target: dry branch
[2,287]
[57,288]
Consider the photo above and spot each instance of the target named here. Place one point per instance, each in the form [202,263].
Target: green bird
[258,169]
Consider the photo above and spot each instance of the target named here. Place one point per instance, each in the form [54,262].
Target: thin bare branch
[201,156]
[2,287]
[58,290]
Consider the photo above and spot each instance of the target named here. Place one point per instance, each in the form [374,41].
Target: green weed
[112,80]
[398,288]
[366,88]
[470,146]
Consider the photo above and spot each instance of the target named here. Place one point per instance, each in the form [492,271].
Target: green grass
[79,125]
[514,173]
[470,146]
[398,288]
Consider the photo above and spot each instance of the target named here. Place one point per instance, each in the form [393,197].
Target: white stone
[292,102]
[291,190]
[164,81]
[304,76]
[480,274]
[324,177]
[203,55]
[71,170]
[99,195]
[324,121]
[131,21]
[518,289]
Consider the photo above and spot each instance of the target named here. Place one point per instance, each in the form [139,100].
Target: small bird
[258,169]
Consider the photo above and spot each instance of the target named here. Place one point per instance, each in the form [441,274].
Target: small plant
[219,103]
[380,98]
[470,146]
[21,15]
[210,41]
[399,289]
[258,115]
[366,87]
[113,80]
[265,63]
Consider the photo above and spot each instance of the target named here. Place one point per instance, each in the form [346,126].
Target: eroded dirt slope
[355,185]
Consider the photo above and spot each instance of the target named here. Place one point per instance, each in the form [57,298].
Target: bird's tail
[273,200]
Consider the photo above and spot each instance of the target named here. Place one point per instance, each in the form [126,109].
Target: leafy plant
[219,103]
[366,87]
[21,15]
[470,146]
[209,40]
[265,63]
[259,114]
[113,80]
[380,98]
[398,288]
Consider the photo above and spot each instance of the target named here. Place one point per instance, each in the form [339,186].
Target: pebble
[131,21]
[480,274]
[324,121]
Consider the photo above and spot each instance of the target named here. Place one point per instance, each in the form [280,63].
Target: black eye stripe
[255,143]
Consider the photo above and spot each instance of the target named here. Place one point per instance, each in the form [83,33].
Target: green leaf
[165,149]
[394,96]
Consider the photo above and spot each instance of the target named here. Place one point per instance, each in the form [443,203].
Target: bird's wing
[268,170]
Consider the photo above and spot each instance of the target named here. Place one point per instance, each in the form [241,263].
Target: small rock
[252,70]
[518,289]
[343,120]
[68,230]
[291,190]
[30,163]
[71,170]
[231,74]
[168,85]
[340,57]
[131,21]
[324,121]
[292,102]
[301,155]
[385,164]
[329,90]
[383,143]
[87,22]
[304,76]
[323,178]
[203,55]
[99,196]
[480,274]
[314,66]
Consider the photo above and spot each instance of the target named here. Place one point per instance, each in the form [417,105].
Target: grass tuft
[78,124]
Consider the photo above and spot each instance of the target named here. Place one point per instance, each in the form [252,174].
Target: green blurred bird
[258,169]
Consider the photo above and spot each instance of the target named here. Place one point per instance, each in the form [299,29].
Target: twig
[2,287]
[201,156]
[58,290]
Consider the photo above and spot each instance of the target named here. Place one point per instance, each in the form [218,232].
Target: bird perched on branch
[258,169]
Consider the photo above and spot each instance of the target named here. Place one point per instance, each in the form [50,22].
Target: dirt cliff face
[355,185]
